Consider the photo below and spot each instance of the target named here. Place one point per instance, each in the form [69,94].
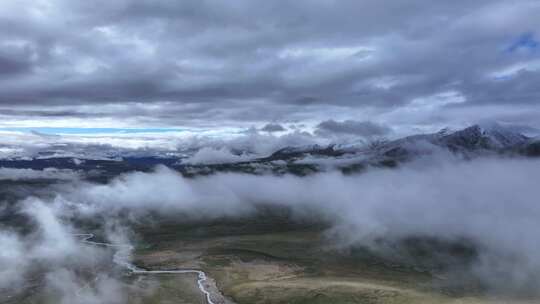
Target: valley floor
[296,266]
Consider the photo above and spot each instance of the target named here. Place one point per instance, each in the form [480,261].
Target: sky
[280,66]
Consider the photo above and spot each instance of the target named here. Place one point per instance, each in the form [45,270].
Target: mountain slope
[471,142]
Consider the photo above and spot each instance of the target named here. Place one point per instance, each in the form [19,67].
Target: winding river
[122,258]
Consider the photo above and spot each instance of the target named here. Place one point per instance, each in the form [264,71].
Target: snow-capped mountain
[471,142]
[490,137]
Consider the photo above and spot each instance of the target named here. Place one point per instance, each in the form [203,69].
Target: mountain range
[474,141]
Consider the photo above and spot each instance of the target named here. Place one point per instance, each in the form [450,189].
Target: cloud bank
[15,174]
[487,202]
[54,259]
[209,155]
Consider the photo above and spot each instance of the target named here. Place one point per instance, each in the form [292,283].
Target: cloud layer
[486,202]
[208,64]
[54,260]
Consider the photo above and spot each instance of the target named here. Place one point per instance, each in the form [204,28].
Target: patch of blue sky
[502,78]
[525,41]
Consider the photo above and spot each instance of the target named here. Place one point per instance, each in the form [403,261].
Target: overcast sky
[405,65]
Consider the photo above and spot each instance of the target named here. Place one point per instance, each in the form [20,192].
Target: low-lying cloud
[488,202]
[15,174]
[223,155]
[53,249]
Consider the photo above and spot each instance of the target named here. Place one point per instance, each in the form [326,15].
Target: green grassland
[271,259]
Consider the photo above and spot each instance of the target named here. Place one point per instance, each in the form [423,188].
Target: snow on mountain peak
[502,136]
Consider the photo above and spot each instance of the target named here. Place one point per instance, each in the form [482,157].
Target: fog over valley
[269,152]
[478,205]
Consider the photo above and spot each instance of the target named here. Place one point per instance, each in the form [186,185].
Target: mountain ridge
[473,141]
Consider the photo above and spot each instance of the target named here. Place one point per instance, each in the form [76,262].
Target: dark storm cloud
[226,58]
[14,61]
[352,127]
[273,127]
